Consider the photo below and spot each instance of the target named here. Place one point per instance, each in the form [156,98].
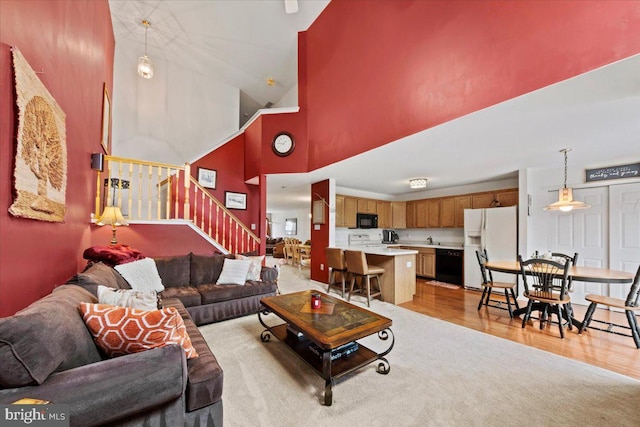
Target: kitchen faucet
[430,240]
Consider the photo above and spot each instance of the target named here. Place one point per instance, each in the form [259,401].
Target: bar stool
[357,266]
[337,264]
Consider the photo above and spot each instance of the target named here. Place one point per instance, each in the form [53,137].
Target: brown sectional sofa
[46,351]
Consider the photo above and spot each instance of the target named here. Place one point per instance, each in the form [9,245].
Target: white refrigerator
[493,229]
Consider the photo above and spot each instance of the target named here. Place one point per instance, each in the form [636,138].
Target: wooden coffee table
[330,327]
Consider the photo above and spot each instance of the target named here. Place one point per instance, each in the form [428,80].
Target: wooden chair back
[483,259]
[538,276]
[356,262]
[335,259]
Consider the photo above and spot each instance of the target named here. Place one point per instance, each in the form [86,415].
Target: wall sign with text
[614,172]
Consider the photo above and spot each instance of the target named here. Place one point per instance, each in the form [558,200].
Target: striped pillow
[234,272]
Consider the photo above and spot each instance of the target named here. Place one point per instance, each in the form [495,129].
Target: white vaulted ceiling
[210,54]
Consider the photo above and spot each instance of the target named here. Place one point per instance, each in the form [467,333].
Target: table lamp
[112,216]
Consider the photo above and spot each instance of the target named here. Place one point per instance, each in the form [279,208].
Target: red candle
[315,301]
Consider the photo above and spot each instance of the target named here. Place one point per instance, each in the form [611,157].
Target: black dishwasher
[449,265]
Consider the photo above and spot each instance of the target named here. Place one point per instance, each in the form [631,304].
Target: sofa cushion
[206,268]
[188,295]
[216,293]
[143,300]
[142,275]
[205,377]
[256,266]
[46,337]
[112,254]
[99,274]
[122,330]
[234,272]
[174,270]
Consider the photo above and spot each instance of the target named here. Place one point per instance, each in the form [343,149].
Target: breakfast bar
[398,282]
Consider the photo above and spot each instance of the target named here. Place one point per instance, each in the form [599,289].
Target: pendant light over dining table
[145,65]
[565,201]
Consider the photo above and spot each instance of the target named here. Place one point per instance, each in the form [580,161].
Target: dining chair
[304,258]
[336,262]
[538,277]
[630,305]
[567,258]
[358,267]
[488,285]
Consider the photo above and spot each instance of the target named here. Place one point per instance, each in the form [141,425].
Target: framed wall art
[207,178]
[235,200]
[106,120]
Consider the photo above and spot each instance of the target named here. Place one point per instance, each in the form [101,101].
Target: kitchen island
[398,283]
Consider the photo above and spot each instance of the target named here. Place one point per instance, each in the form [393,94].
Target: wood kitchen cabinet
[433,213]
[422,214]
[448,212]
[398,215]
[367,206]
[507,197]
[425,261]
[383,210]
[461,203]
[346,208]
[482,200]
[411,214]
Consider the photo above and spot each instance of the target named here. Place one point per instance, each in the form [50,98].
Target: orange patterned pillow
[121,330]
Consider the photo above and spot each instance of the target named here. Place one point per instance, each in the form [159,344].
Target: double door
[607,235]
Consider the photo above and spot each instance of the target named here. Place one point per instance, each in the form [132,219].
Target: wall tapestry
[40,175]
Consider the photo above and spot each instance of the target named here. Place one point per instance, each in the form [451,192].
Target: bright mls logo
[34,415]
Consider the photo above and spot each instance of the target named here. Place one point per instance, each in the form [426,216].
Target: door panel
[625,232]
[584,231]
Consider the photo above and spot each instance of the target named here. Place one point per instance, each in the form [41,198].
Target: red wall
[377,71]
[227,162]
[320,237]
[72,41]
[155,240]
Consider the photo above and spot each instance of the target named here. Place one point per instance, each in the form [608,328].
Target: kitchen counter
[398,283]
[426,245]
[385,250]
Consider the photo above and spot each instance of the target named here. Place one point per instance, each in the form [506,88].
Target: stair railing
[151,191]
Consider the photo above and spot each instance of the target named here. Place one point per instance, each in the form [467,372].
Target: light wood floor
[609,351]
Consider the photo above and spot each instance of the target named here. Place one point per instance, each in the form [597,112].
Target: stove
[364,240]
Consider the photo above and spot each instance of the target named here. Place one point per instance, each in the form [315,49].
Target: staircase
[149,192]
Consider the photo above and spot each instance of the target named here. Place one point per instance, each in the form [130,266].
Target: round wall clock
[283,144]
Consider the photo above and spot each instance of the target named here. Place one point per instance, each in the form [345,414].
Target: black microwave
[364,220]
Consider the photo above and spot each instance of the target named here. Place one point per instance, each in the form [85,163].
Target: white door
[625,232]
[585,231]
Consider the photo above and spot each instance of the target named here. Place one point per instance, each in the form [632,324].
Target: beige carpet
[441,374]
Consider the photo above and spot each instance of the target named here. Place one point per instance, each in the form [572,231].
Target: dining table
[576,273]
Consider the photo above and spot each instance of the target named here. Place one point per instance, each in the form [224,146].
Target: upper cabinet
[367,206]
[437,212]
[383,209]
[398,214]
[482,200]
[346,208]
[507,197]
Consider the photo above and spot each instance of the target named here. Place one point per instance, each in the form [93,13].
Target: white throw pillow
[142,300]
[142,275]
[234,272]
[256,266]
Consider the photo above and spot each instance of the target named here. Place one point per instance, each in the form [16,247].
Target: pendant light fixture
[145,65]
[565,201]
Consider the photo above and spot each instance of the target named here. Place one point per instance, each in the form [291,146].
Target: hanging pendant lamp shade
[565,201]
[145,65]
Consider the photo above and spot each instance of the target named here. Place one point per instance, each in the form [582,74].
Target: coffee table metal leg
[326,374]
